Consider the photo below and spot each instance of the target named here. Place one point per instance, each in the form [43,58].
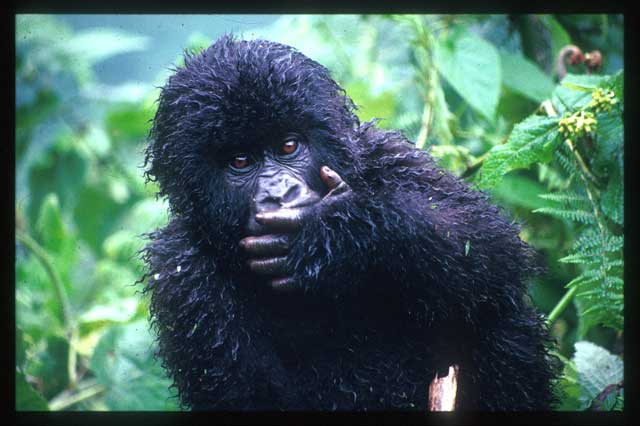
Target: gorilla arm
[421,231]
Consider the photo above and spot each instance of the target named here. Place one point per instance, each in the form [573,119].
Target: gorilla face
[276,177]
[247,130]
[284,189]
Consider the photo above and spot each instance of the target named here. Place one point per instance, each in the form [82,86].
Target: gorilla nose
[277,192]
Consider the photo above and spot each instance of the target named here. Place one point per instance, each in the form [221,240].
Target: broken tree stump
[443,390]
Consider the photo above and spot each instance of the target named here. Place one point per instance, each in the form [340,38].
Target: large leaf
[120,311]
[60,170]
[98,211]
[371,106]
[597,369]
[617,84]
[98,44]
[27,399]
[472,66]
[124,363]
[146,215]
[570,389]
[559,36]
[520,191]
[129,121]
[524,77]
[51,364]
[575,91]
[612,200]
[51,229]
[531,141]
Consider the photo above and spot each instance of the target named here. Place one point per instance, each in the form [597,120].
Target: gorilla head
[248,126]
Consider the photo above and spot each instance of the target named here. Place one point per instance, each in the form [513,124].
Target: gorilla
[314,262]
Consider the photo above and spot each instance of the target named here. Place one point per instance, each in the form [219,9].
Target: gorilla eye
[240,162]
[289,146]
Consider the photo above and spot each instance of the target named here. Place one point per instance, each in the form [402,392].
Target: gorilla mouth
[255,228]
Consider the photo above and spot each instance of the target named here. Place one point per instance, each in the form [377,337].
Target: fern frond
[574,215]
[565,161]
[567,197]
[610,264]
[582,281]
[579,258]
[615,283]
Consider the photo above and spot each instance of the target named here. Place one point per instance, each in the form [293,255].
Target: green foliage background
[479,92]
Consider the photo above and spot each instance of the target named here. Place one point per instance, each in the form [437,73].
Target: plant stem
[581,163]
[46,261]
[67,399]
[562,305]
[61,295]
[421,141]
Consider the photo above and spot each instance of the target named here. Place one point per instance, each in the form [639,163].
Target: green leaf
[524,77]
[97,140]
[52,231]
[575,91]
[97,212]
[120,311]
[585,82]
[146,215]
[455,158]
[617,85]
[38,28]
[569,214]
[570,389]
[20,348]
[531,141]
[124,363]
[197,42]
[371,106]
[51,366]
[520,191]
[565,197]
[610,142]
[472,66]
[122,245]
[98,44]
[612,200]
[60,170]
[129,121]
[114,280]
[597,369]
[27,399]
[559,36]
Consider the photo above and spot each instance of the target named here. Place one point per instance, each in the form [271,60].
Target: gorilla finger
[340,189]
[270,266]
[266,245]
[283,284]
[281,220]
[330,177]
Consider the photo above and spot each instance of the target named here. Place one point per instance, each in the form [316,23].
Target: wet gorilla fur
[412,272]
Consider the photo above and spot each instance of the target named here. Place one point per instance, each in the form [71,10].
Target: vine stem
[583,165]
[67,399]
[562,305]
[424,129]
[584,174]
[61,294]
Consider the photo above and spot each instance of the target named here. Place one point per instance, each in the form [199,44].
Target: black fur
[411,273]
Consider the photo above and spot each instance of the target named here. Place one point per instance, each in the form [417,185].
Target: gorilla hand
[269,252]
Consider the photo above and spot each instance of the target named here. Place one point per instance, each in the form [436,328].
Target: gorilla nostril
[292,193]
[268,203]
